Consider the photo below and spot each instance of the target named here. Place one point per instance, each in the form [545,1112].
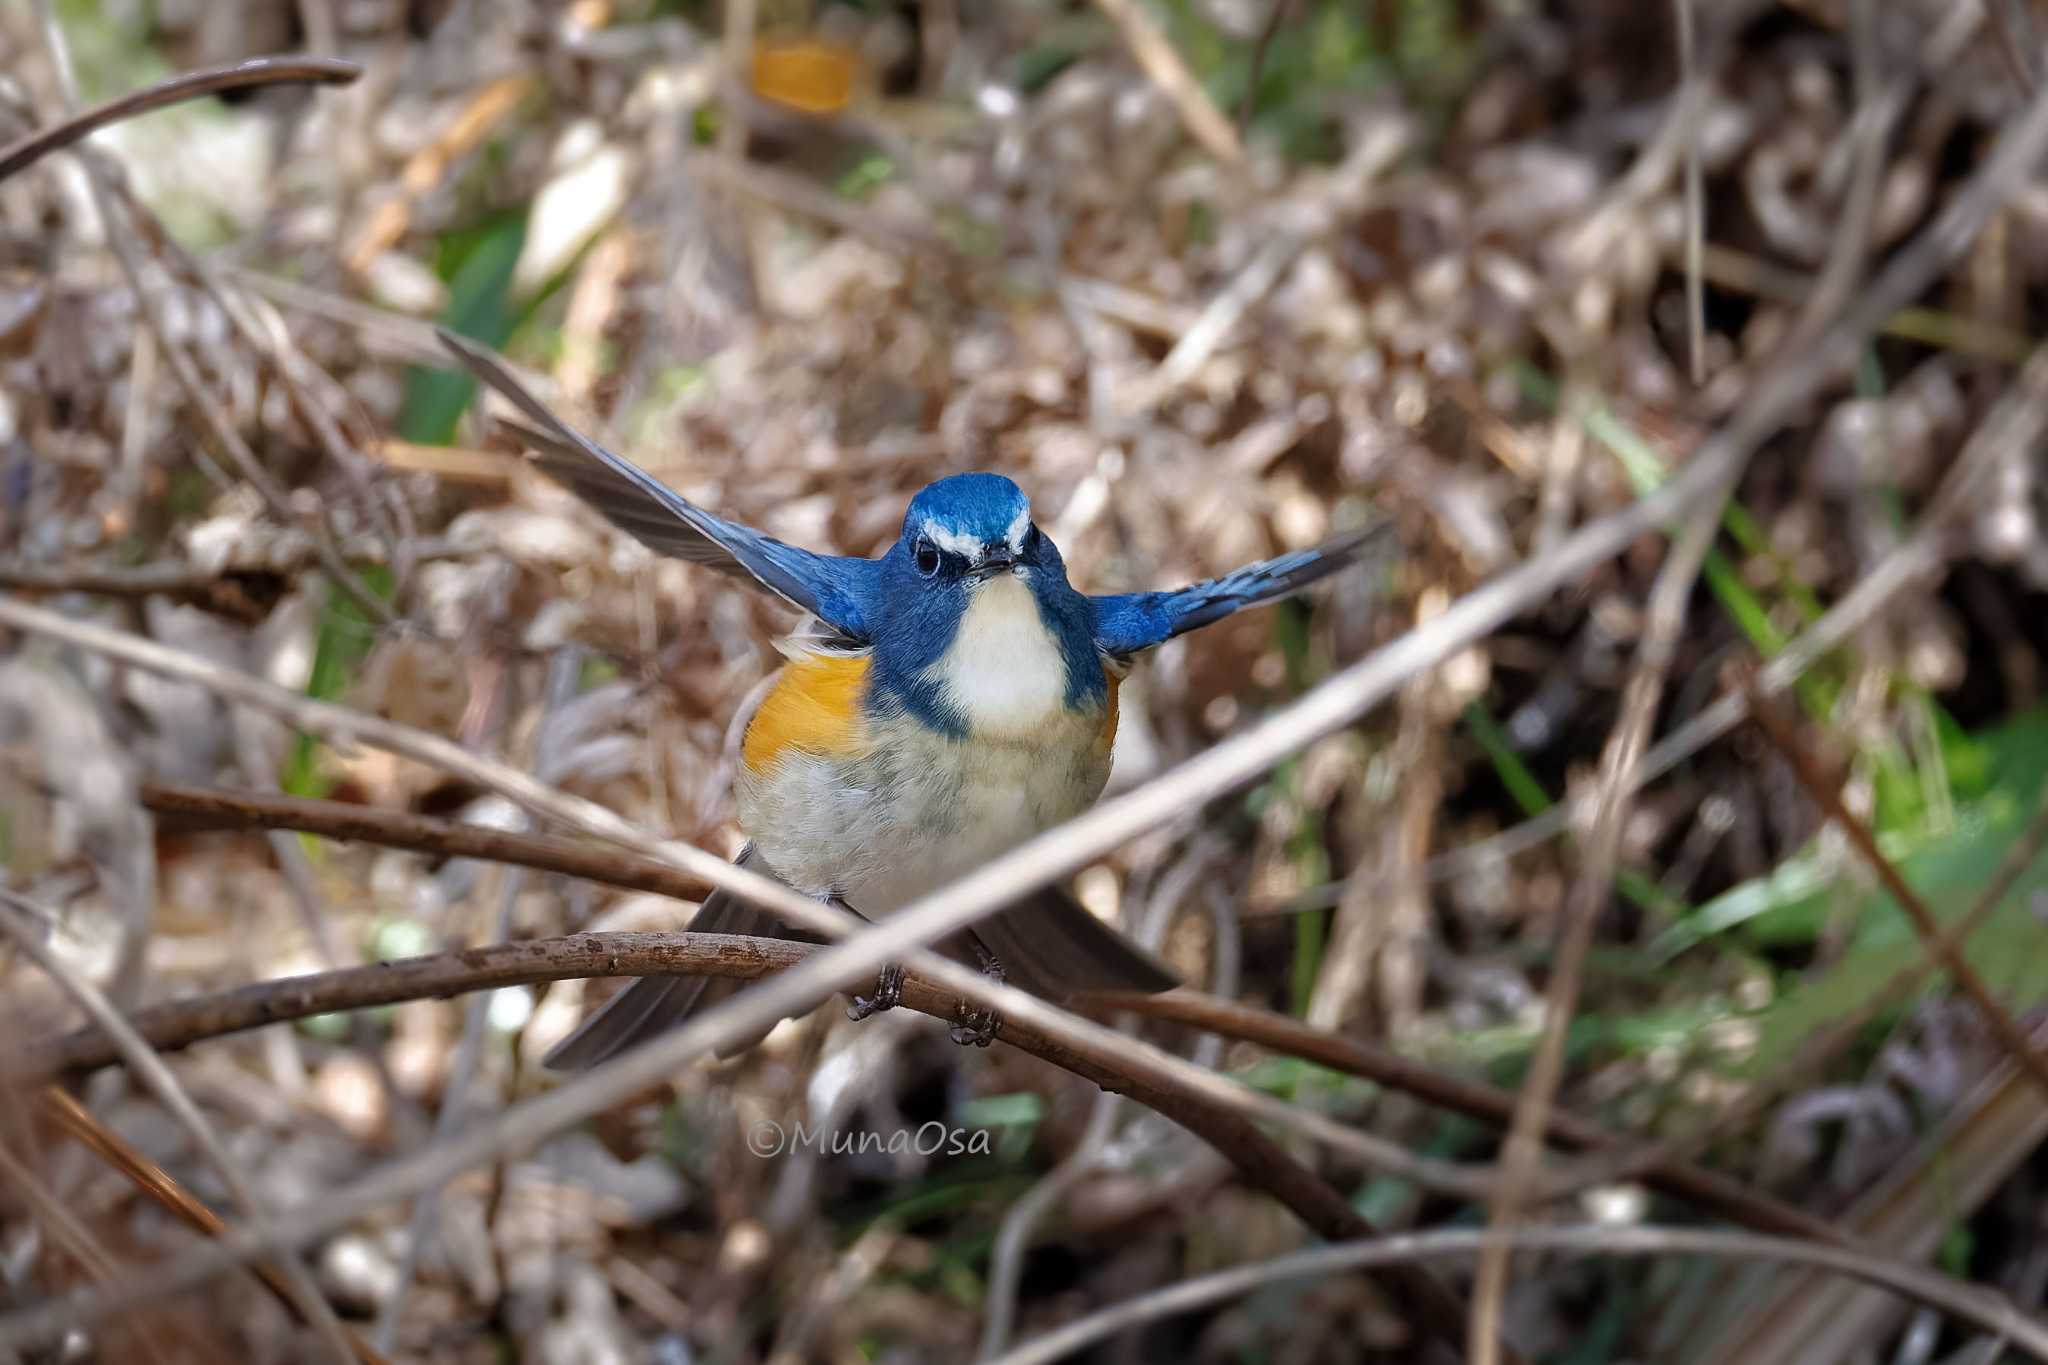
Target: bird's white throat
[1004,672]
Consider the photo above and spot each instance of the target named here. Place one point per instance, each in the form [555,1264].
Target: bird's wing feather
[831,587]
[1126,623]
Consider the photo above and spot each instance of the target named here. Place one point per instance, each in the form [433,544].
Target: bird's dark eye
[926,555]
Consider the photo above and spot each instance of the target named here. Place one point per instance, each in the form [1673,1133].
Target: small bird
[941,704]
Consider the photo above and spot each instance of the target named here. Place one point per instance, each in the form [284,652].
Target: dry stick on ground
[160,1186]
[1823,792]
[296,70]
[1983,1309]
[1337,702]
[149,1068]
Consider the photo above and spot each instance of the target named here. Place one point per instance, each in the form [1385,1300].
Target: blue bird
[942,703]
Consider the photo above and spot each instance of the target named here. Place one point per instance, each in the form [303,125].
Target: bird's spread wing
[1129,622]
[831,587]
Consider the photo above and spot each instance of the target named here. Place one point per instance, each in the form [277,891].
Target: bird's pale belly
[915,809]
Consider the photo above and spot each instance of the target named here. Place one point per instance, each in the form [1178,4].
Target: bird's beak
[997,560]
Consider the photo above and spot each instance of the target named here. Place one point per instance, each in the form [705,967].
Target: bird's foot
[888,995]
[978,1028]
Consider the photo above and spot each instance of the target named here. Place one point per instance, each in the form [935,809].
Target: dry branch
[181,1023]
[192,85]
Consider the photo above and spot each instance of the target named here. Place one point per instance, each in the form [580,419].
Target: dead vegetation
[1210,280]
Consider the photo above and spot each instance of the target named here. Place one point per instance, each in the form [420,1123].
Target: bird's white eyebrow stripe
[1018,528]
[953,541]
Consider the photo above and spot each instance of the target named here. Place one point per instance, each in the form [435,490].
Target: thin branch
[1275,17]
[1694,1184]
[1157,58]
[1695,192]
[2008,20]
[1332,705]
[151,1071]
[160,1186]
[1522,1153]
[1119,1063]
[1824,794]
[297,70]
[1983,1309]
[181,1023]
[177,1024]
[204,808]
[2015,422]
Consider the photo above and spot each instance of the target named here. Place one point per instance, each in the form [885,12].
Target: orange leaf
[805,74]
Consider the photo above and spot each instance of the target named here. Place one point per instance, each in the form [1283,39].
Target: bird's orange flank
[814,708]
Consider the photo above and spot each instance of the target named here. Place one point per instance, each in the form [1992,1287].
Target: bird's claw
[978,1028]
[888,995]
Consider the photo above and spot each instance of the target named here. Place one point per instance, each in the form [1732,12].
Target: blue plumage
[958,531]
[907,610]
[958,698]
[1127,623]
[834,588]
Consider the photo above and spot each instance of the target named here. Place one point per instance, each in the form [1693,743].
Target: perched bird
[942,703]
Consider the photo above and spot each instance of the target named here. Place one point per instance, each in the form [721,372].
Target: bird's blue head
[969,546]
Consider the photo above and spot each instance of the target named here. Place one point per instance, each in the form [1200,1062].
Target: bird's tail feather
[655,1004]
[1050,945]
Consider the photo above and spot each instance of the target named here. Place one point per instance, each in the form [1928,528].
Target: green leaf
[339,648]
[480,306]
[1946,870]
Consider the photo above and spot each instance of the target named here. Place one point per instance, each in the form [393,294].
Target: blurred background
[1210,279]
